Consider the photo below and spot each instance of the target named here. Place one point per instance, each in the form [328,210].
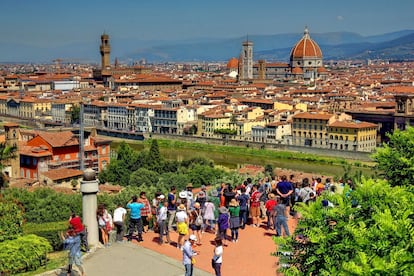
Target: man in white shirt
[119,219]
[162,223]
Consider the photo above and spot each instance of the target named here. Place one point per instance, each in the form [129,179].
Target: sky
[44,23]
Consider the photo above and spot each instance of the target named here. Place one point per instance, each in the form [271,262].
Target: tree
[396,158]
[143,177]
[368,231]
[154,158]
[6,153]
[75,114]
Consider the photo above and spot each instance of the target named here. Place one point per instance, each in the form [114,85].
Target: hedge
[49,231]
[26,253]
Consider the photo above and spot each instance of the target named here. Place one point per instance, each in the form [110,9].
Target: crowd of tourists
[224,211]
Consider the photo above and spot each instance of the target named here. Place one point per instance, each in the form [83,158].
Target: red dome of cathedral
[306,48]
[233,63]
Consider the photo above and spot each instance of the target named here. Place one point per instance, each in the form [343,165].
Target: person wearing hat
[223,223]
[270,204]
[234,211]
[189,254]
[182,223]
[196,221]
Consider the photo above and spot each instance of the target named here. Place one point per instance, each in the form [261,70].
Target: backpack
[198,220]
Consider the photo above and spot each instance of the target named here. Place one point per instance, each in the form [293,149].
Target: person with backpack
[196,222]
[305,192]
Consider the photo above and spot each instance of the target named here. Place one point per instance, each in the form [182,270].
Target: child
[72,243]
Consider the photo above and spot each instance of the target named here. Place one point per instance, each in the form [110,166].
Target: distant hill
[338,45]
[334,45]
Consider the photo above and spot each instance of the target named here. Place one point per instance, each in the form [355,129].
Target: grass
[55,260]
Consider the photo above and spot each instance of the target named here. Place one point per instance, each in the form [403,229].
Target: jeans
[188,269]
[171,216]
[217,269]
[135,224]
[120,228]
[279,222]
[243,217]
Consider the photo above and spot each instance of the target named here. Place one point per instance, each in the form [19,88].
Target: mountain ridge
[334,45]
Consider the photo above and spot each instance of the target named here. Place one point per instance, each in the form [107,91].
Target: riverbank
[234,157]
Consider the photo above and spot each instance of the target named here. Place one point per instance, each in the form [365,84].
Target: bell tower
[105,50]
[12,133]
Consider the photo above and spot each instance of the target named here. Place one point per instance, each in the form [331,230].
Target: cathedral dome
[306,48]
[233,63]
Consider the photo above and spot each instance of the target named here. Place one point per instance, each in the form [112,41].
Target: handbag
[193,260]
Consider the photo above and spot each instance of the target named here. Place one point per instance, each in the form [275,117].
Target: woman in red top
[270,203]
[77,226]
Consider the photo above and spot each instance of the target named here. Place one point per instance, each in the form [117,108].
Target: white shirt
[119,214]
[181,216]
[218,254]
[162,215]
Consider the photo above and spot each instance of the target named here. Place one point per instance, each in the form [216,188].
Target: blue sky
[56,22]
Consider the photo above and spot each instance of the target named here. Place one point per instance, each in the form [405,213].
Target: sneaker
[237,240]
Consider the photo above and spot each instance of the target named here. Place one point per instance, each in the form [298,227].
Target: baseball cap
[193,238]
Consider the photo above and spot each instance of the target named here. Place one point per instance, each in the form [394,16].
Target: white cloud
[340,18]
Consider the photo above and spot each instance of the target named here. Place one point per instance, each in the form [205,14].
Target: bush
[25,253]
[49,231]
[11,219]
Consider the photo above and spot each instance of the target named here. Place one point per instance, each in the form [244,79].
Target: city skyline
[54,24]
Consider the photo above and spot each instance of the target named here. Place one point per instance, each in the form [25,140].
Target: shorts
[77,260]
[145,220]
[255,211]
[195,227]
[182,228]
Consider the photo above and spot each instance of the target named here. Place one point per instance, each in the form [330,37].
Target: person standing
[182,224]
[119,222]
[255,206]
[234,211]
[196,221]
[217,256]
[280,217]
[135,221]
[223,223]
[172,207]
[80,229]
[270,204]
[244,206]
[145,211]
[209,217]
[189,254]
[162,223]
[72,243]
[284,189]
